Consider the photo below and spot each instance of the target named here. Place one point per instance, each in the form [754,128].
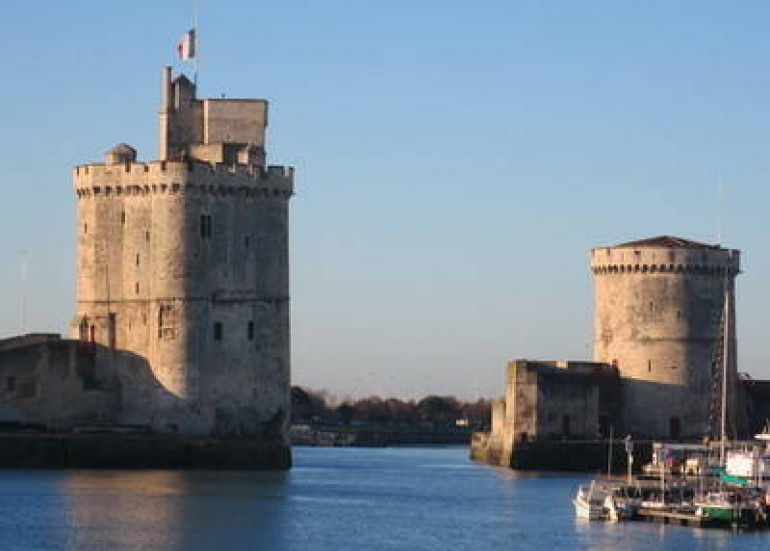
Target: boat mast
[725,363]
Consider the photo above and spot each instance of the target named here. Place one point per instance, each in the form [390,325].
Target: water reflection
[383,499]
[173,510]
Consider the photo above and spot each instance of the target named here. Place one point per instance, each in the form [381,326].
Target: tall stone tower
[184,262]
[659,317]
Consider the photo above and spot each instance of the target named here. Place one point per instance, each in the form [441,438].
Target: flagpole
[196,44]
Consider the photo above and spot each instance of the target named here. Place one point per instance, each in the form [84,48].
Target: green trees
[432,412]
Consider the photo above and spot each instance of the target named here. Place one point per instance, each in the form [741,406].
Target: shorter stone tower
[183,262]
[659,318]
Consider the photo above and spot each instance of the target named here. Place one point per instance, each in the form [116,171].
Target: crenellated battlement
[161,177]
[608,269]
[703,260]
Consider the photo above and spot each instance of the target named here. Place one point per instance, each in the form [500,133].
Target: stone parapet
[707,261]
[171,177]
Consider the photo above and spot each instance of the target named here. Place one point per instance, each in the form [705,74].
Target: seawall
[121,451]
[561,455]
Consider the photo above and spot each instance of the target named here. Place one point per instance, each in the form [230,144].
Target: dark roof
[572,369]
[122,148]
[183,78]
[667,241]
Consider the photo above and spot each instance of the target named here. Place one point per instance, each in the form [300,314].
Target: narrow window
[85,228]
[565,425]
[251,331]
[137,259]
[10,383]
[246,242]
[649,366]
[205,226]
[136,287]
[147,236]
[112,330]
[123,217]
[217,331]
[166,322]
[161,320]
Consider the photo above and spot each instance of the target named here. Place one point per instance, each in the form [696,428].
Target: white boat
[589,502]
[620,508]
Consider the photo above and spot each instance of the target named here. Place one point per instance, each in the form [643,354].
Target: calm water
[408,498]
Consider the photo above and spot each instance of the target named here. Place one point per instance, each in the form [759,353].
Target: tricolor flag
[185,48]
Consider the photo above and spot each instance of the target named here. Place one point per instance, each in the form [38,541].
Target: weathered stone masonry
[659,320]
[184,262]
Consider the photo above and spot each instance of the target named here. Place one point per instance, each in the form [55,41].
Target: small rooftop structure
[666,241]
[121,153]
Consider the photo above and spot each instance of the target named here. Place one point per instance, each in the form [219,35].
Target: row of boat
[698,502]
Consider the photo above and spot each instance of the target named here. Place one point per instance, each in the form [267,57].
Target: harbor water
[334,498]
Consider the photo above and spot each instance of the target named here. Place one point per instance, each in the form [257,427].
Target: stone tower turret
[658,308]
[184,262]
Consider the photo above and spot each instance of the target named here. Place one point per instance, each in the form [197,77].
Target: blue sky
[455,161]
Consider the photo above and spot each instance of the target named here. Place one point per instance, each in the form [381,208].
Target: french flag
[185,48]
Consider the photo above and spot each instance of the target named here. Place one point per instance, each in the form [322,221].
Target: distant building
[662,309]
[182,322]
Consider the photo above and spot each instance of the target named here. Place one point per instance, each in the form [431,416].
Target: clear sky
[455,161]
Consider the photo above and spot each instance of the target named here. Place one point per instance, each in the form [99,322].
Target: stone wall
[548,401]
[169,250]
[556,399]
[657,314]
[234,121]
[60,384]
[64,385]
[184,263]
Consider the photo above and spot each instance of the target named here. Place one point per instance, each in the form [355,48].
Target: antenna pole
[720,210]
[23,267]
[196,44]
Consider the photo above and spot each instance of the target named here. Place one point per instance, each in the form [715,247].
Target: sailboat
[733,500]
